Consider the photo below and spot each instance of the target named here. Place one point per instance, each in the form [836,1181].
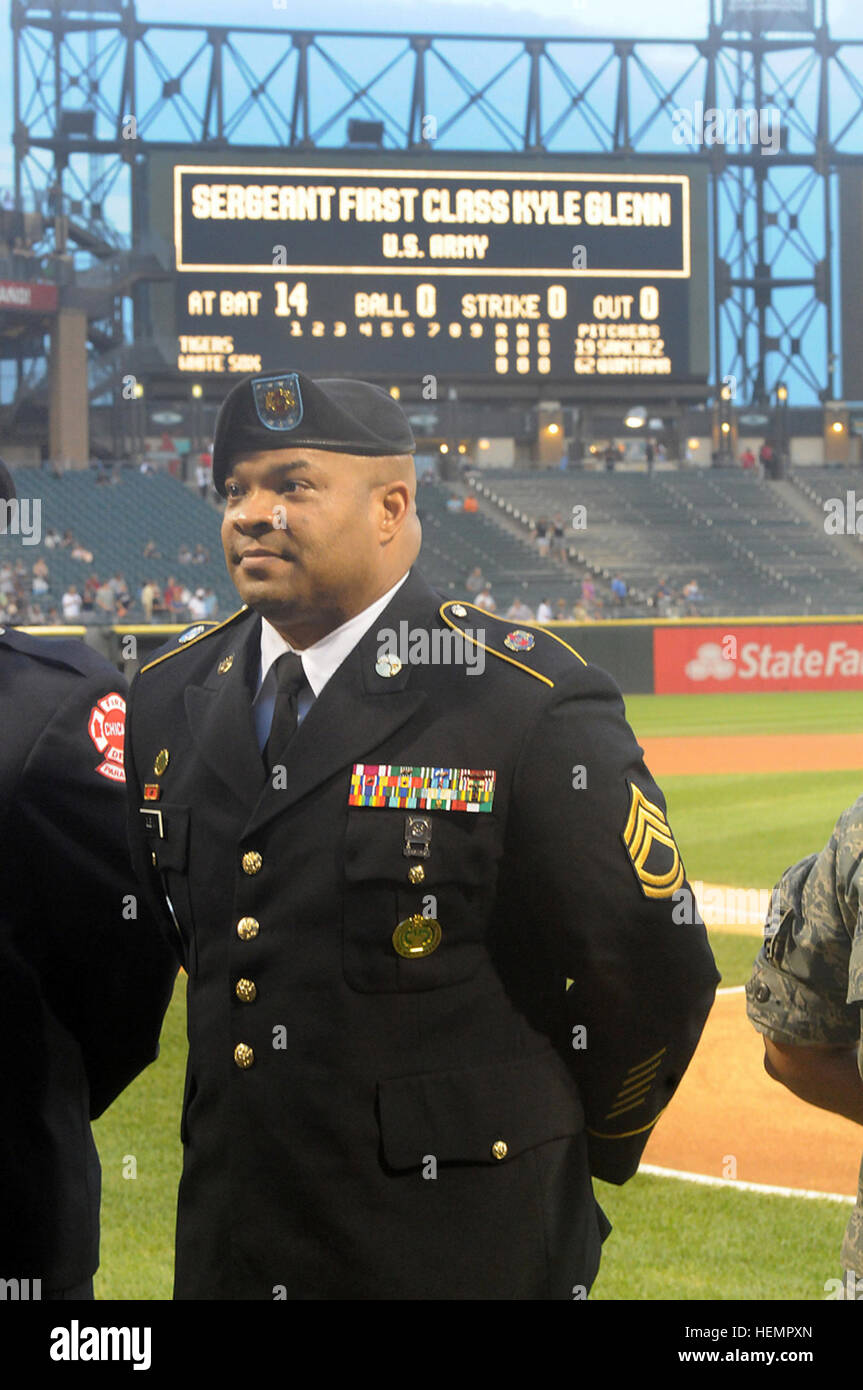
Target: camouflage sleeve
[807,982]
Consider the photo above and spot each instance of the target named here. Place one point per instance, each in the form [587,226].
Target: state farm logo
[107,728]
[710,663]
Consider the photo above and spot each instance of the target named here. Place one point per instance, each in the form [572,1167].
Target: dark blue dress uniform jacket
[360,1125]
[84,984]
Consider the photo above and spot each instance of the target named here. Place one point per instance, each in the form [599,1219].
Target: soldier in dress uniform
[84,976]
[425,901]
[806,993]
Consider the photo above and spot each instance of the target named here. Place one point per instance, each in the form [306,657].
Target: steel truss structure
[96,87]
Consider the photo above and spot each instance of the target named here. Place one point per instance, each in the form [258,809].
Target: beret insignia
[278,401]
[651,848]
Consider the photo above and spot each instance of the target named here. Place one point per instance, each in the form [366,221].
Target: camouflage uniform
[807,982]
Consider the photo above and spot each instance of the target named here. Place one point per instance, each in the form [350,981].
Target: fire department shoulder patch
[107,728]
[651,847]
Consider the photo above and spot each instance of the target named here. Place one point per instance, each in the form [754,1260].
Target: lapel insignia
[225,664]
[192,632]
[651,848]
[152,791]
[388,665]
[422,788]
[163,757]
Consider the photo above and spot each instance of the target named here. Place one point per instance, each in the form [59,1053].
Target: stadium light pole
[782,441]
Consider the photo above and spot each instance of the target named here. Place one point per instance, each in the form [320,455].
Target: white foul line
[765,1189]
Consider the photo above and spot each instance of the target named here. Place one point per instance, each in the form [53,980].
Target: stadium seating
[115,521]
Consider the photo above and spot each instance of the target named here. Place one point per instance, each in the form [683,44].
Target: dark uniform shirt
[806,987]
[84,977]
[391,1094]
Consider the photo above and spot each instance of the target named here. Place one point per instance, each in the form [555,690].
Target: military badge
[519,641]
[225,664]
[152,791]
[278,401]
[192,632]
[651,848]
[422,788]
[107,728]
[417,936]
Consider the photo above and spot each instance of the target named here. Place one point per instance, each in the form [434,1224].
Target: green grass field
[671,1240]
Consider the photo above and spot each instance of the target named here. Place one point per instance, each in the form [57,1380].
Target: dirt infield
[729,1120]
[689,756]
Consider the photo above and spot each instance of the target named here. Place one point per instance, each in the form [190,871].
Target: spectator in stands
[610,458]
[172,597]
[519,611]
[588,593]
[68,539]
[201,555]
[151,551]
[692,596]
[618,589]
[39,586]
[71,604]
[184,555]
[662,597]
[89,594]
[120,590]
[52,538]
[484,599]
[767,459]
[202,478]
[197,606]
[35,614]
[475,581]
[542,536]
[544,612]
[453,503]
[471,503]
[558,539]
[105,602]
[580,613]
[649,454]
[7,578]
[80,552]
[747,459]
[149,594]
[211,604]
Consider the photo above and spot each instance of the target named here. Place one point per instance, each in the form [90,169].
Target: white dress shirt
[320,661]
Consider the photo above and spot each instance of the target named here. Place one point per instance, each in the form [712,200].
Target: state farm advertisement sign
[30,297]
[807,656]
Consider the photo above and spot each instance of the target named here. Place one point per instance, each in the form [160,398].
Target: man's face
[301,533]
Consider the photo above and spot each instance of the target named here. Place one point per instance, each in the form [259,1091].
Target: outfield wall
[663,657]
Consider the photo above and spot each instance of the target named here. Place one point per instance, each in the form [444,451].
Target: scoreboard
[498,274]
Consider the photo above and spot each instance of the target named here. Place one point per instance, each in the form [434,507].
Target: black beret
[288,410]
[7,484]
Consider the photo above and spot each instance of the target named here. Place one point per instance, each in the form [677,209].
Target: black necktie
[289,680]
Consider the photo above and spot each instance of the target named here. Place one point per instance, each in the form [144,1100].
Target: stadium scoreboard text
[493,275]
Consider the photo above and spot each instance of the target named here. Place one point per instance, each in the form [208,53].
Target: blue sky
[663,18]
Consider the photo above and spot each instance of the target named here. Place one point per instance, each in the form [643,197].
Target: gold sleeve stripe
[622,1109]
[630,1133]
[648,1062]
